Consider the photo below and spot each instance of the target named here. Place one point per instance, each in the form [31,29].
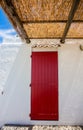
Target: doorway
[44,86]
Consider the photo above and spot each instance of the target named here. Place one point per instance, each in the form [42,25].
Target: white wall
[8,54]
[15,102]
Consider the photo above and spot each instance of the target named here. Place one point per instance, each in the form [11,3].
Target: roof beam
[14,18]
[51,21]
[70,19]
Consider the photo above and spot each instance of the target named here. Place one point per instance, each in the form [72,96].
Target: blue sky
[6,29]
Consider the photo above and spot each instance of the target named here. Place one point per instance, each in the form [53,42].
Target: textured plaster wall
[15,102]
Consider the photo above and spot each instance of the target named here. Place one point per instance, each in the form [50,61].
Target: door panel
[44,86]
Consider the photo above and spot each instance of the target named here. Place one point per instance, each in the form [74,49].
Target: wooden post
[70,18]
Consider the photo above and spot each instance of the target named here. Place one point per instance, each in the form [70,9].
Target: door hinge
[30,85]
[30,115]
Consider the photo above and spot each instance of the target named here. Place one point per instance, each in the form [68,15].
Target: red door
[44,86]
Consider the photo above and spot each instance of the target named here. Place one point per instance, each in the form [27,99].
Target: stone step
[42,127]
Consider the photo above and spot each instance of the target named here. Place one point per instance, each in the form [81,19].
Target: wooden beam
[70,19]
[10,11]
[51,21]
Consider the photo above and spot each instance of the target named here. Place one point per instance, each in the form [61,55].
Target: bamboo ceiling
[46,10]
[44,18]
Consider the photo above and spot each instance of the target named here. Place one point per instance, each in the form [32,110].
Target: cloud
[8,36]
[9,33]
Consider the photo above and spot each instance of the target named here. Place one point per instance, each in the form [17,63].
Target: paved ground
[43,128]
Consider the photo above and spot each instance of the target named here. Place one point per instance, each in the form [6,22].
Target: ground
[42,128]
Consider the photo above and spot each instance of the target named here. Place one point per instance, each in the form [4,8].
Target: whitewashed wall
[15,102]
[8,54]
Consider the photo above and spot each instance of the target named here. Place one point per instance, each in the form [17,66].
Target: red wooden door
[44,86]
